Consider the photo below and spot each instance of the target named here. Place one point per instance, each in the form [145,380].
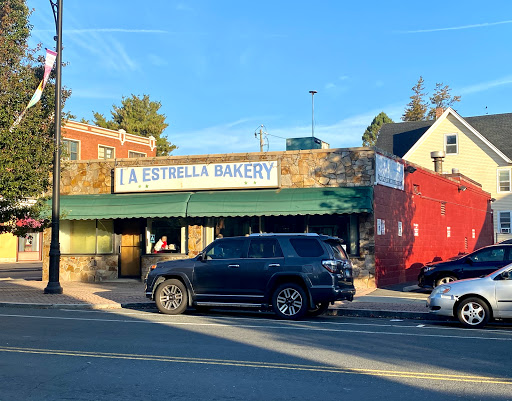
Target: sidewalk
[389,303]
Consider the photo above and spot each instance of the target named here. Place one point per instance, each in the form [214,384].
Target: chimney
[438,157]
[439,112]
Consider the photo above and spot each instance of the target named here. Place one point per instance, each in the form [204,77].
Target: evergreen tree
[371,132]
[441,99]
[139,116]
[416,108]
[26,152]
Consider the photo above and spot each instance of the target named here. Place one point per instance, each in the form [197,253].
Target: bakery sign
[244,175]
[389,172]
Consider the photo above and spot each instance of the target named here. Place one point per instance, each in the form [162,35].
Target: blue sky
[223,68]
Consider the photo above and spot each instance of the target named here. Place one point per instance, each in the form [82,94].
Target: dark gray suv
[294,274]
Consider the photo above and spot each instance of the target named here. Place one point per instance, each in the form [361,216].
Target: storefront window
[169,234]
[29,243]
[86,236]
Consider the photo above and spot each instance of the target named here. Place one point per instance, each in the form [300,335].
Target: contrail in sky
[456,28]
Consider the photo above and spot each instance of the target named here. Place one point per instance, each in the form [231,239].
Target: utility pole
[53,286]
[261,140]
[313,112]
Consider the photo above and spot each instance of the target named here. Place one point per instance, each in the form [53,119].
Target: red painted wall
[399,258]
[90,137]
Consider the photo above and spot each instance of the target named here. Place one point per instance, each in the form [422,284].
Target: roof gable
[402,139]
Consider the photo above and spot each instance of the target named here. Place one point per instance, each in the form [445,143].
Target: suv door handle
[274,265]
[234,266]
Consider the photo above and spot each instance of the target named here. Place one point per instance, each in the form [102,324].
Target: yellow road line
[267,365]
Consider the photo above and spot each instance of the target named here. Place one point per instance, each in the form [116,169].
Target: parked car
[478,263]
[506,241]
[294,274]
[475,301]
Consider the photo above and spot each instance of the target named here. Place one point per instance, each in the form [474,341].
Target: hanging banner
[48,65]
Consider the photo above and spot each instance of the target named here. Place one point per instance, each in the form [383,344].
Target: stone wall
[299,169]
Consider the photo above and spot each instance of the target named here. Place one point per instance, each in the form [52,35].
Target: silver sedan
[475,301]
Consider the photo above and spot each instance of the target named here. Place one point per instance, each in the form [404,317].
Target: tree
[416,108]
[138,116]
[441,99]
[26,152]
[370,135]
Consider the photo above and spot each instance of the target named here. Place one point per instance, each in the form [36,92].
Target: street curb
[385,314]
[151,305]
[128,305]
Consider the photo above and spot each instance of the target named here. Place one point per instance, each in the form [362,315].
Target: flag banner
[48,65]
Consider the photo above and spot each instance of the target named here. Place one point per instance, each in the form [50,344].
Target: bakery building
[114,213]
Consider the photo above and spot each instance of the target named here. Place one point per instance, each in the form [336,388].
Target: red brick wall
[91,137]
[399,259]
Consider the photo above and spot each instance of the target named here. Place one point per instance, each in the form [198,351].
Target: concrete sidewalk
[390,303]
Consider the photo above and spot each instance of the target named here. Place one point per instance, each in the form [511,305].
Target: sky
[222,69]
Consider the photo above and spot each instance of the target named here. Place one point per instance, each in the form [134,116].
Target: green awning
[122,206]
[287,201]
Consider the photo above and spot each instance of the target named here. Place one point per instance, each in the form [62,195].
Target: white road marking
[277,326]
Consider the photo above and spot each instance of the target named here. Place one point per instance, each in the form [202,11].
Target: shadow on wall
[395,235]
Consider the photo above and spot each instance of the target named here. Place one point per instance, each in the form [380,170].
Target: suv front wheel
[290,301]
[171,297]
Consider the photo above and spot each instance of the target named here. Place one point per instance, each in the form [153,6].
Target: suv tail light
[330,265]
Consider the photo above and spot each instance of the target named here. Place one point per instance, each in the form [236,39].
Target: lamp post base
[53,288]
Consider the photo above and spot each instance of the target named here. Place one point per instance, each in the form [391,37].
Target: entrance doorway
[131,246]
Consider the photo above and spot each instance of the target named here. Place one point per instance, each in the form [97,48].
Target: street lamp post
[313,112]
[53,286]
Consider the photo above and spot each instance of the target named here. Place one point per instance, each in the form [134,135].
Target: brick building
[88,142]
[391,219]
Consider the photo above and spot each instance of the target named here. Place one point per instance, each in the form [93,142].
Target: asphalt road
[26,271]
[143,355]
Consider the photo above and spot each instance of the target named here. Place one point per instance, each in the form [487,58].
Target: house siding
[474,159]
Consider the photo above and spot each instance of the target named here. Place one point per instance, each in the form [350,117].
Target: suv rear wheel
[171,297]
[289,301]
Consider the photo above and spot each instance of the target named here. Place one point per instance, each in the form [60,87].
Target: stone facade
[299,169]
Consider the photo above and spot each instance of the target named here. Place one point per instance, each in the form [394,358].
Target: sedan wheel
[289,301]
[445,280]
[171,297]
[473,313]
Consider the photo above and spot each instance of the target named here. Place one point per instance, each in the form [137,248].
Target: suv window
[489,255]
[337,249]
[226,249]
[307,247]
[264,248]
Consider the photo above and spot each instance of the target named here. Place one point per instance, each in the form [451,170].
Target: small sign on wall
[473,233]
[416,229]
[399,228]
[381,227]
[448,232]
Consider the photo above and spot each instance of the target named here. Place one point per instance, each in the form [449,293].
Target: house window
[504,180]
[104,152]
[86,236]
[132,154]
[70,149]
[450,144]
[504,222]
